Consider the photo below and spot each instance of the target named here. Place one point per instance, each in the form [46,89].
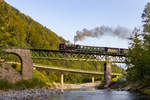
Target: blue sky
[65,17]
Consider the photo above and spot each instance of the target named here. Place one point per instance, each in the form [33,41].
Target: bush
[146,91]
[14,66]
[32,83]
[4,84]
[23,84]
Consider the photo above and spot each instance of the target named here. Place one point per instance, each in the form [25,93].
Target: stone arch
[14,62]
[26,61]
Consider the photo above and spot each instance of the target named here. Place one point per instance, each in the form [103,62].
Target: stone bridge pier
[107,74]
[26,61]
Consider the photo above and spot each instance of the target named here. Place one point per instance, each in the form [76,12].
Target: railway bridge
[27,57]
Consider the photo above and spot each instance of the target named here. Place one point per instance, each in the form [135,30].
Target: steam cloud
[119,31]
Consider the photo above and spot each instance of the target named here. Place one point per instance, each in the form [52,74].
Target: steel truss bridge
[76,56]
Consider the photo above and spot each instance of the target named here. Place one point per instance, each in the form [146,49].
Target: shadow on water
[97,95]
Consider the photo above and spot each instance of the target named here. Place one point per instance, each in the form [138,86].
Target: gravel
[28,94]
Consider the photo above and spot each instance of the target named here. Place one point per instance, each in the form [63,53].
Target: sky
[65,17]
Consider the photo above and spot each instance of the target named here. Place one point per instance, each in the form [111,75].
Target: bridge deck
[71,70]
[59,69]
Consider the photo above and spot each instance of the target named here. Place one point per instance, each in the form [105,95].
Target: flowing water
[106,94]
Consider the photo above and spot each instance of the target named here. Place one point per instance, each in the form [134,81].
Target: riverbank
[28,94]
[77,86]
[137,87]
[42,92]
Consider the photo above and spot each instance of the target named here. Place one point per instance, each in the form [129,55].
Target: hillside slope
[19,30]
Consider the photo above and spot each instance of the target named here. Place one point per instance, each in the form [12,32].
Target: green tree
[135,57]
[139,51]
[146,30]
[146,18]
[146,38]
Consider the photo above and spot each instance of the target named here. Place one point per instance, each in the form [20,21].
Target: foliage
[146,18]
[23,84]
[14,66]
[139,52]
[44,78]
[19,30]
[146,91]
[4,84]
[116,78]
[135,58]
[31,83]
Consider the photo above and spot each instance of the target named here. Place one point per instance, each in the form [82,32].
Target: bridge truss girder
[59,55]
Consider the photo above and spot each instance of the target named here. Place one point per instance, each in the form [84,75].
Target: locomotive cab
[62,46]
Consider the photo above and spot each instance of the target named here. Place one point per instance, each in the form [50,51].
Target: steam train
[92,49]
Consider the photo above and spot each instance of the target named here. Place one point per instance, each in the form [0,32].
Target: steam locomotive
[92,49]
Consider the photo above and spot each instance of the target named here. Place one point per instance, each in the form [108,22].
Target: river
[106,94]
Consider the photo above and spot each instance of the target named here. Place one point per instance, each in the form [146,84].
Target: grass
[4,84]
[146,91]
[42,77]
[116,78]
[23,84]
[32,83]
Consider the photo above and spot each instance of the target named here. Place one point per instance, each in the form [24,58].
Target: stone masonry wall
[107,74]
[26,62]
[8,73]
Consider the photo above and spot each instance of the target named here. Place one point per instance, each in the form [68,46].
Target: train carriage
[92,49]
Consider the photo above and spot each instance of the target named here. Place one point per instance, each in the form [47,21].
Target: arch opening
[15,61]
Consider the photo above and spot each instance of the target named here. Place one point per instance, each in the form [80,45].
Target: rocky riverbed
[42,92]
[78,86]
[28,94]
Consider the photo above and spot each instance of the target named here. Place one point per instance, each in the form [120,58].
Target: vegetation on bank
[139,55]
[23,84]
[139,51]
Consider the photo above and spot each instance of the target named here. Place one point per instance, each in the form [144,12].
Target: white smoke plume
[97,32]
